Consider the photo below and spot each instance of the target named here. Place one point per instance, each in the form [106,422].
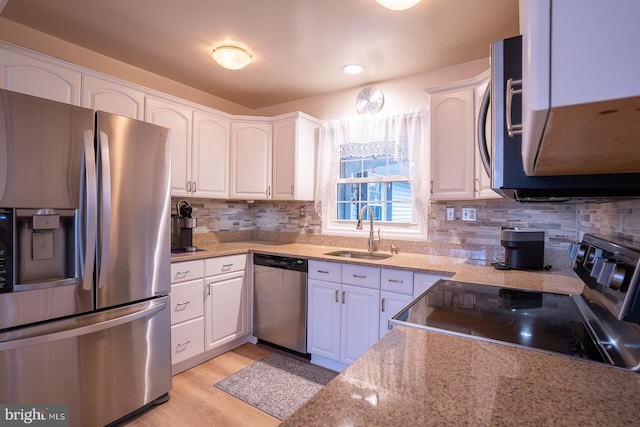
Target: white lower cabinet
[423,281]
[396,292]
[187,340]
[210,309]
[343,314]
[226,300]
[359,321]
[187,320]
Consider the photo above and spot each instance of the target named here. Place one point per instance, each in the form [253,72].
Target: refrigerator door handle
[72,332]
[105,165]
[89,196]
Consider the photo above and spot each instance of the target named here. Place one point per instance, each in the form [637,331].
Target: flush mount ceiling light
[230,56]
[352,69]
[398,4]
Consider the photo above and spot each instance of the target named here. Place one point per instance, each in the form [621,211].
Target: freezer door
[134,239]
[103,365]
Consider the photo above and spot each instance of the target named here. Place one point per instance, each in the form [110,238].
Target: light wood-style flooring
[194,401]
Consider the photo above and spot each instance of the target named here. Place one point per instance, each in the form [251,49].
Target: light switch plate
[451,214]
[469,214]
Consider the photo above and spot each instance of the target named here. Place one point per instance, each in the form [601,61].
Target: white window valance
[403,136]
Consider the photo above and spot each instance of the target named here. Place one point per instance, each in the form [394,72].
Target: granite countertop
[419,377]
[560,281]
[423,378]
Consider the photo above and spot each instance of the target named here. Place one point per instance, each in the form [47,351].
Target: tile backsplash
[298,222]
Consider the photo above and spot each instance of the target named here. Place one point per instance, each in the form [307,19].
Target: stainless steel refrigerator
[84,260]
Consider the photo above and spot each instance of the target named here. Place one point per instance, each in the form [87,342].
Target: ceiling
[298,46]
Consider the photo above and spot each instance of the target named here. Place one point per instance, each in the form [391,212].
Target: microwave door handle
[512,129]
[483,147]
[88,203]
[105,181]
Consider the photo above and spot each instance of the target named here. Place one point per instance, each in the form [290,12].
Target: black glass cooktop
[539,320]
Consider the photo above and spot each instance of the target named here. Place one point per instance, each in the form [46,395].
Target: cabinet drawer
[325,271]
[224,264]
[188,270]
[187,301]
[187,339]
[368,277]
[423,281]
[400,281]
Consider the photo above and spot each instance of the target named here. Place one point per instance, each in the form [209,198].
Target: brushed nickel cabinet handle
[395,281]
[182,274]
[382,308]
[343,297]
[359,276]
[337,292]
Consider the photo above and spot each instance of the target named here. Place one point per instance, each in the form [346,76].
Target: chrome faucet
[359,226]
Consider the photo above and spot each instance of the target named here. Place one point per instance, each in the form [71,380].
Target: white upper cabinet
[457,172]
[452,148]
[112,96]
[29,74]
[251,157]
[210,155]
[177,118]
[294,152]
[580,86]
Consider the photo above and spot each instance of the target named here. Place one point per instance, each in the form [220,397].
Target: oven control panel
[611,272]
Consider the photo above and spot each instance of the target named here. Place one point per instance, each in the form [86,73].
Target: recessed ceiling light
[398,4]
[352,69]
[231,56]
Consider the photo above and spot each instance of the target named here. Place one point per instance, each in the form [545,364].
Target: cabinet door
[284,159]
[452,150]
[251,145]
[178,119]
[423,281]
[390,304]
[210,155]
[225,313]
[482,180]
[106,95]
[323,317]
[34,76]
[360,322]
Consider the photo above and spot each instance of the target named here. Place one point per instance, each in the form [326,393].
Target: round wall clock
[369,100]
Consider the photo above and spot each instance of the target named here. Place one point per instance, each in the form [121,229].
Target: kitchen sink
[359,255]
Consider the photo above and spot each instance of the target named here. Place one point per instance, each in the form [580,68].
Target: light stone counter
[414,377]
[560,281]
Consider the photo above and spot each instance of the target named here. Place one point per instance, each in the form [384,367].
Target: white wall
[400,94]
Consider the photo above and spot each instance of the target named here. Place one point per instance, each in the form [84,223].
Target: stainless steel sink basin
[359,255]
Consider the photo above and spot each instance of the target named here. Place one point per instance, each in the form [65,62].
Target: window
[378,162]
[379,179]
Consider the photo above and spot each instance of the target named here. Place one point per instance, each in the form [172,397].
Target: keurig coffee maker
[182,226]
[523,248]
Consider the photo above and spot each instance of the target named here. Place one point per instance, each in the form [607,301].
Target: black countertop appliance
[523,248]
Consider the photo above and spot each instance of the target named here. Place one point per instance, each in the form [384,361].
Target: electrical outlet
[451,214]
[469,214]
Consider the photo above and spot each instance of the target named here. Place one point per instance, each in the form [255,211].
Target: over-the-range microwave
[505,166]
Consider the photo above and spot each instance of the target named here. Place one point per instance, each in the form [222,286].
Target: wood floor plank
[194,401]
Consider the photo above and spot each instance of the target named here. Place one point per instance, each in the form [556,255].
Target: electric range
[600,325]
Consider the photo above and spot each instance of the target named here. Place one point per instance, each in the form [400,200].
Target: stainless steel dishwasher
[280,301]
